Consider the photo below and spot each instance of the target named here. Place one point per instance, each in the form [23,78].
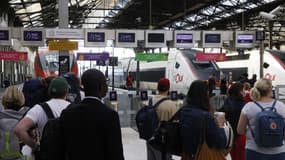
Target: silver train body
[181,69]
[250,63]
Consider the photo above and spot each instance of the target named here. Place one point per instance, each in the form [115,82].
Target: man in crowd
[36,116]
[90,128]
[165,110]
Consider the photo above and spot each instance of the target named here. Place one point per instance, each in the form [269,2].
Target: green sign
[151,57]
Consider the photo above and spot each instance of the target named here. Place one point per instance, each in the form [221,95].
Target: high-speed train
[46,63]
[273,66]
[181,69]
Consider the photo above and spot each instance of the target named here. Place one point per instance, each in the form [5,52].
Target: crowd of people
[88,128]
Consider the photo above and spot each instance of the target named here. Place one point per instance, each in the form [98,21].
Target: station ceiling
[155,14]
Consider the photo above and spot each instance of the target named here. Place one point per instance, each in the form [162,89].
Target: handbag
[206,153]
[166,137]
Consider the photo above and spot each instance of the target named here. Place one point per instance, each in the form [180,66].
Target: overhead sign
[151,56]
[210,56]
[92,56]
[98,37]
[32,37]
[5,37]
[63,45]
[65,33]
[15,56]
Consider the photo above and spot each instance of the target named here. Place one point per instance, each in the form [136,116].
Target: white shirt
[251,110]
[38,115]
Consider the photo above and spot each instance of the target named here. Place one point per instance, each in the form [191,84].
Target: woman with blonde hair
[13,98]
[261,94]
[13,101]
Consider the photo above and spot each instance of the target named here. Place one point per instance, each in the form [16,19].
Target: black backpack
[147,119]
[50,143]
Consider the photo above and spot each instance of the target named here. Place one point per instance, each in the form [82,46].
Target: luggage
[269,127]
[9,142]
[147,119]
[50,143]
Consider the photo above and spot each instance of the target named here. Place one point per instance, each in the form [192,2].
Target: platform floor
[135,148]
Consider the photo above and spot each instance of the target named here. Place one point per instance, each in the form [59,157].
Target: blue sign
[92,56]
[95,36]
[4,35]
[127,37]
[33,36]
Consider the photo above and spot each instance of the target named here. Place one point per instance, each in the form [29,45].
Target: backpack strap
[262,109]
[273,106]
[258,105]
[47,110]
[150,101]
[160,101]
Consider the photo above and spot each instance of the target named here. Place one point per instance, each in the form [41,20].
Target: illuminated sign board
[96,36]
[5,37]
[33,36]
[126,37]
[244,39]
[184,38]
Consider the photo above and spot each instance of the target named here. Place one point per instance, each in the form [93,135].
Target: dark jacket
[91,130]
[191,130]
[232,108]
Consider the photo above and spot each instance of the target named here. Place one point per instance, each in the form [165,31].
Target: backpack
[50,143]
[269,127]
[147,119]
[9,142]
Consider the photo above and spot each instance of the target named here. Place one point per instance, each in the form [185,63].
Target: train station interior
[181,40]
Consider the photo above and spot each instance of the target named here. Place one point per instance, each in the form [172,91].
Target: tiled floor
[134,148]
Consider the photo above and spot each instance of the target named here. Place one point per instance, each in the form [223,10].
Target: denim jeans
[252,155]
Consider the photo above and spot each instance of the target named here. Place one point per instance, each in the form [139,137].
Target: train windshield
[279,56]
[202,64]
[49,61]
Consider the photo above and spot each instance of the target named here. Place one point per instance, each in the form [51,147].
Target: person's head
[262,88]
[58,88]
[246,86]
[245,75]
[29,77]
[94,83]
[236,91]
[13,98]
[163,85]
[254,76]
[198,95]
[46,81]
